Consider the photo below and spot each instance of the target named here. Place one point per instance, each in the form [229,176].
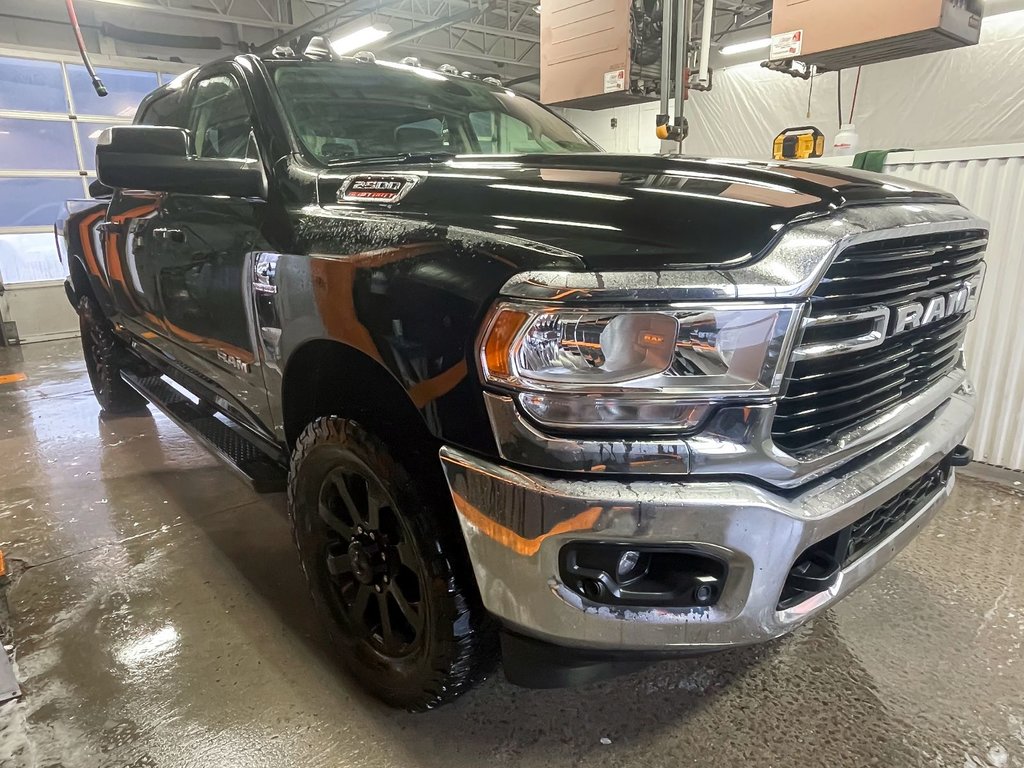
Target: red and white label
[615,81]
[787,45]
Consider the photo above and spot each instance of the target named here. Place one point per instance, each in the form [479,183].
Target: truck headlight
[629,367]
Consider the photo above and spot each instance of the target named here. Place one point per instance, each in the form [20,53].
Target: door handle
[174,235]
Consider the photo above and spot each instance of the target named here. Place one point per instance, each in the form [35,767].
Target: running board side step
[258,461]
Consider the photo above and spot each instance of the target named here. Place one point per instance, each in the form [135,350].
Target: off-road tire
[456,645]
[104,358]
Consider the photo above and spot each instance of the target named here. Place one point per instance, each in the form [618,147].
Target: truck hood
[629,211]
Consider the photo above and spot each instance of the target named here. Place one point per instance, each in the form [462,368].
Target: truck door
[123,240]
[201,256]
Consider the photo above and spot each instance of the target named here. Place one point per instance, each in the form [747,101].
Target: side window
[220,122]
[502,133]
[483,126]
[167,110]
[517,136]
[430,135]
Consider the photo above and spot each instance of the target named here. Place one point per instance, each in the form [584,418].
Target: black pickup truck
[578,409]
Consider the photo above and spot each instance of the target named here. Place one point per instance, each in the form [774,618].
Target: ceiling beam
[312,25]
[495,31]
[520,80]
[430,26]
[461,54]
[406,9]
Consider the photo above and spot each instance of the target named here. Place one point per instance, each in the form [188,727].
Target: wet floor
[160,619]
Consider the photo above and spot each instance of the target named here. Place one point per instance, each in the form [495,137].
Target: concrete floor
[160,620]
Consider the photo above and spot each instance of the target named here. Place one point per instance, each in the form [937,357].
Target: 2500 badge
[376,188]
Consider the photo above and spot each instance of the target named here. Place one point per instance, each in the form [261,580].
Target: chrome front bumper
[516,522]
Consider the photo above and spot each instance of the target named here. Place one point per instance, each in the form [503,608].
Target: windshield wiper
[405,158]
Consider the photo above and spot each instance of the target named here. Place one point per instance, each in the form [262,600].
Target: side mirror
[157,159]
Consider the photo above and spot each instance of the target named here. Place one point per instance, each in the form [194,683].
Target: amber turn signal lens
[499,341]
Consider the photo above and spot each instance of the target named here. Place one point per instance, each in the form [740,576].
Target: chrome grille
[831,394]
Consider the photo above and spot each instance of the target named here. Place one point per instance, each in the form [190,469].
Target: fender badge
[376,188]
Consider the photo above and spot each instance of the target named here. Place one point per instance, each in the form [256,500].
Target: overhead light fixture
[750,45]
[360,38]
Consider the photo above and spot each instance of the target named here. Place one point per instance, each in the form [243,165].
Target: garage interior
[152,608]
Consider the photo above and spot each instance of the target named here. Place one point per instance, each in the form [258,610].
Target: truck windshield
[349,111]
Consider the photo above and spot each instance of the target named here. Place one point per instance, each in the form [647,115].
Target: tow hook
[961,456]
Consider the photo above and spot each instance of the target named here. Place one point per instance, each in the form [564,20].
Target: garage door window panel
[126,88]
[46,145]
[32,86]
[47,156]
[35,202]
[28,257]
[88,135]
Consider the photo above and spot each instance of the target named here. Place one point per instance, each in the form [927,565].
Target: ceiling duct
[162,39]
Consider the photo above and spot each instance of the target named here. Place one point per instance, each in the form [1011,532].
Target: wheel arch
[324,377]
[79,275]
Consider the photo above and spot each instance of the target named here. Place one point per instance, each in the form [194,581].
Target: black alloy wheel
[386,566]
[104,359]
[375,572]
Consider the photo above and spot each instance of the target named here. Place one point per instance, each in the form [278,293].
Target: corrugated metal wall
[994,189]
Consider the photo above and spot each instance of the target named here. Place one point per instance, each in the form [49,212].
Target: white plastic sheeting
[965,97]
[989,181]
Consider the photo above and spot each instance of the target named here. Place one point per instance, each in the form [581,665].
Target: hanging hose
[101,89]
[839,92]
[810,93]
[856,90]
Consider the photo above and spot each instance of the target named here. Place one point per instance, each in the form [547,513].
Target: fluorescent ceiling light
[360,38]
[750,45]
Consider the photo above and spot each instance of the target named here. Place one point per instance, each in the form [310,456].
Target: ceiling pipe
[667,8]
[680,128]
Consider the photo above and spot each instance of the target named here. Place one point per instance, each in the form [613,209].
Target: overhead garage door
[50,118]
